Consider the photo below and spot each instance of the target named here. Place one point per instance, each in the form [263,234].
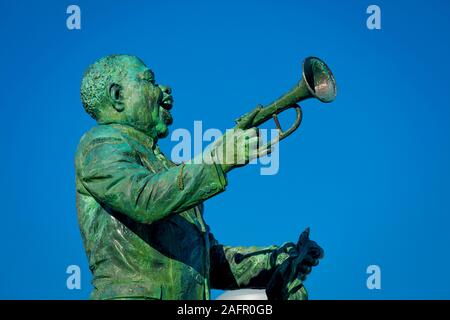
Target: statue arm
[243,267]
[114,176]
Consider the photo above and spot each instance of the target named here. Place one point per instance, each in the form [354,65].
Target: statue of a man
[141,216]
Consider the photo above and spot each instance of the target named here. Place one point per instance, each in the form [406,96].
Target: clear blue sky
[368,173]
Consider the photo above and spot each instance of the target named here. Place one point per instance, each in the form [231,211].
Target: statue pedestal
[243,294]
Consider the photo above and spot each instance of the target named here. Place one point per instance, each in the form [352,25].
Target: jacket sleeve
[112,173]
[243,267]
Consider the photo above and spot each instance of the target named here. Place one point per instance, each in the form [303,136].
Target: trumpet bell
[317,82]
[319,79]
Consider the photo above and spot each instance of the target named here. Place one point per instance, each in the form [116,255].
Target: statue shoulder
[99,134]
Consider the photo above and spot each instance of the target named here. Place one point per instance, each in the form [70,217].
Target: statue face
[145,103]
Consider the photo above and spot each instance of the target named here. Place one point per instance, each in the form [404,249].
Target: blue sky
[368,173]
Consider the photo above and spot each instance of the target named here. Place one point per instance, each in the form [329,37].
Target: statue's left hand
[286,281]
[308,255]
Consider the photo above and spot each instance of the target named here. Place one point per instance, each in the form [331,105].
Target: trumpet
[317,82]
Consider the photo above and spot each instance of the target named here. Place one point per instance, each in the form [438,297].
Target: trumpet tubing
[317,82]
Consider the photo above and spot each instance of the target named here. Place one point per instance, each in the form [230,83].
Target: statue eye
[148,76]
[149,79]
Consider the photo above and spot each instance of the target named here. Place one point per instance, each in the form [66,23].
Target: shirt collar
[140,136]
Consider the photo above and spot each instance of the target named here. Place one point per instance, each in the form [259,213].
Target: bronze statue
[141,216]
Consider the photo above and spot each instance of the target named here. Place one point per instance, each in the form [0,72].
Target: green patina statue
[141,216]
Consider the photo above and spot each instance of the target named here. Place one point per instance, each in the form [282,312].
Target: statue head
[122,89]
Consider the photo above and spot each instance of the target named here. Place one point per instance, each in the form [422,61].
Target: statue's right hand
[235,148]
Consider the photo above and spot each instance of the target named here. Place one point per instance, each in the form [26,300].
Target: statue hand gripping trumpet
[141,216]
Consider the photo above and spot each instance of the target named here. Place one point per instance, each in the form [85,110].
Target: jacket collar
[140,136]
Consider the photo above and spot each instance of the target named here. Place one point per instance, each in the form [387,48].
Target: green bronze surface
[141,216]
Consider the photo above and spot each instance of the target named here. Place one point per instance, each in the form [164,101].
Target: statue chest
[155,161]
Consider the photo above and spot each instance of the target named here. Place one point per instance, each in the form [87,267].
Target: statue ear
[115,94]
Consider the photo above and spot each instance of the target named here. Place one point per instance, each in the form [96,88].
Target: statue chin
[162,130]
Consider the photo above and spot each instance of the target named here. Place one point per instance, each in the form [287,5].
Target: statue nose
[165,89]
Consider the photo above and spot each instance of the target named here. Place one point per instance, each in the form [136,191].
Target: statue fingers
[310,261]
[305,269]
[315,250]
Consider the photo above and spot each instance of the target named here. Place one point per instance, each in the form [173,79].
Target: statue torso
[168,259]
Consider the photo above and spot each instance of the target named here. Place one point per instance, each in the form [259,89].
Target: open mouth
[165,116]
[164,112]
[167,102]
